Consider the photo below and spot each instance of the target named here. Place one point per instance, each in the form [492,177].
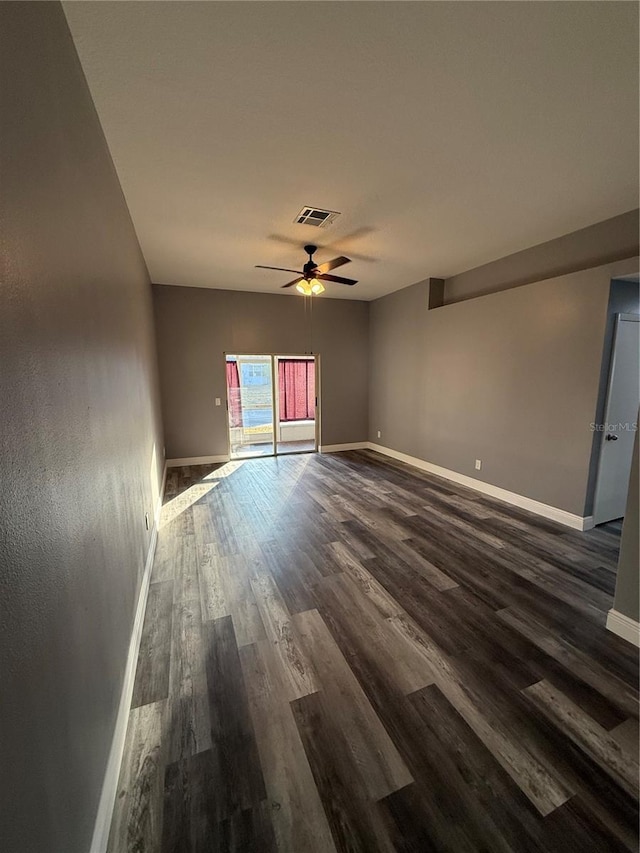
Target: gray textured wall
[627,598]
[510,378]
[79,429]
[195,326]
[602,243]
[396,368]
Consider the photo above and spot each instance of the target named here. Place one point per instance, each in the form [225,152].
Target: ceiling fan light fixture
[304,287]
[310,287]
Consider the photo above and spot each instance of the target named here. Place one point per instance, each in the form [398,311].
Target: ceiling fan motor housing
[311,266]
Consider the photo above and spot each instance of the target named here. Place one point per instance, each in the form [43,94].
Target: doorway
[620,421]
[272,404]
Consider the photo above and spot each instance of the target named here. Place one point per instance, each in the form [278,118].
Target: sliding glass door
[250,404]
[272,404]
[295,403]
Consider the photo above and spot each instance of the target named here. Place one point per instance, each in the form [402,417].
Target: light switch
[217,401]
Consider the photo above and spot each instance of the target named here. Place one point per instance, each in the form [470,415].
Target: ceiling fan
[311,276]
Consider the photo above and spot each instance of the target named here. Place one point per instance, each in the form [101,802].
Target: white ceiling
[448,134]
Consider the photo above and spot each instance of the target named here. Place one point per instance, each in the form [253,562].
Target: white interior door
[621,413]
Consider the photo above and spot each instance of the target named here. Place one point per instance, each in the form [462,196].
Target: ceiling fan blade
[295,281]
[327,266]
[341,243]
[281,269]
[337,279]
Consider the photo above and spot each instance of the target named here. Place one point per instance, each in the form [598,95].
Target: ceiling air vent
[315,216]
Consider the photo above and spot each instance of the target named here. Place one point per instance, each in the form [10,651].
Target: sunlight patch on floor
[177,505]
[225,470]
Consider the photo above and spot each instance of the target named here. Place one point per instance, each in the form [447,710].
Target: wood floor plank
[419,600]
[373,636]
[611,652]
[178,520]
[192,823]
[586,733]
[544,790]
[188,726]
[167,552]
[329,506]
[627,735]
[354,543]
[506,580]
[491,787]
[238,782]
[298,817]
[189,816]
[380,522]
[186,584]
[251,829]
[540,564]
[400,556]
[581,665]
[473,531]
[205,530]
[247,619]
[357,726]
[211,573]
[415,823]
[355,823]
[226,591]
[349,564]
[299,674]
[137,816]
[154,658]
[294,572]
[576,828]
[437,578]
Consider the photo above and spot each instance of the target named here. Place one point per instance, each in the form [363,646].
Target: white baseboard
[110,783]
[158,512]
[553,513]
[196,460]
[623,626]
[335,448]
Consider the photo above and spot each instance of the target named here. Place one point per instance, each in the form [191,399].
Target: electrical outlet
[379,434]
[146,520]
[478,464]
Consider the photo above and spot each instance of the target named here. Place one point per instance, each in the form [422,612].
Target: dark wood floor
[343,653]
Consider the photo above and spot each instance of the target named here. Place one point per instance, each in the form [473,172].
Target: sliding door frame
[274,399]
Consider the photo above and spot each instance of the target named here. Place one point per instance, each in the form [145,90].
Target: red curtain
[233,384]
[296,389]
